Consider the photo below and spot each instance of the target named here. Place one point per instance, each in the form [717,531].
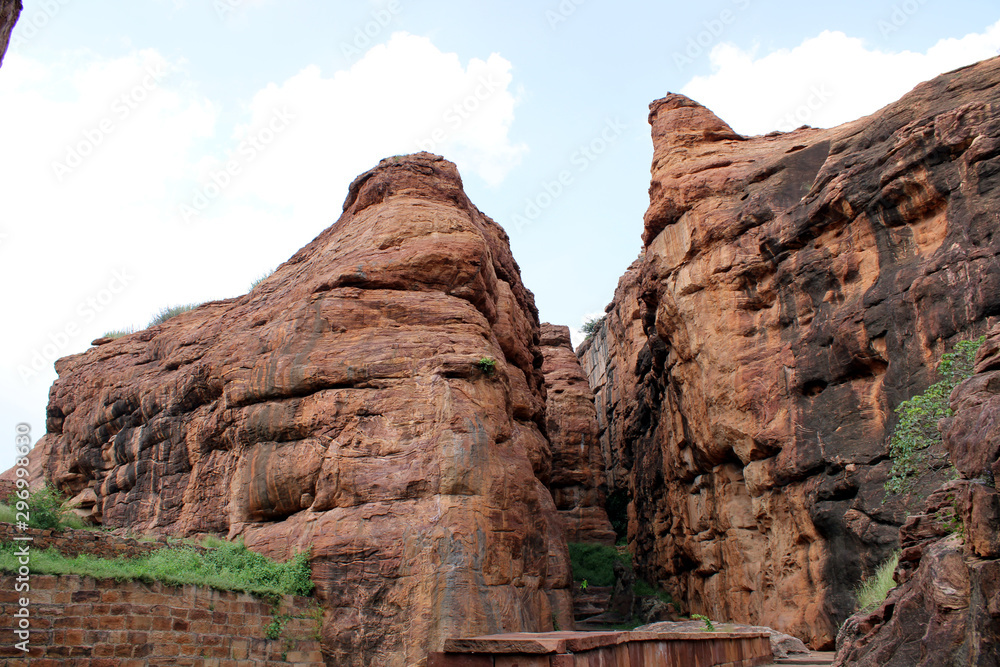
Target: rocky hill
[379,399]
[792,290]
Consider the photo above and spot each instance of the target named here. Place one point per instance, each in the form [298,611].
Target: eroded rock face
[793,289]
[577,476]
[9,11]
[946,609]
[341,405]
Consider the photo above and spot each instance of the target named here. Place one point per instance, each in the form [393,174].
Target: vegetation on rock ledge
[872,591]
[917,430]
[230,567]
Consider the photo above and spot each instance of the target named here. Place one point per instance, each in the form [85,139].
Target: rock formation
[946,610]
[792,290]
[577,477]
[378,399]
[9,11]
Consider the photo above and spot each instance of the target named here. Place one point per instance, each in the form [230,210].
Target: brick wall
[104,623]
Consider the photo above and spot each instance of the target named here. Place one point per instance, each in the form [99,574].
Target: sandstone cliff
[9,11]
[792,290]
[346,405]
[946,610]
[577,478]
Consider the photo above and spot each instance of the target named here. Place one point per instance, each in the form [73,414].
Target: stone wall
[126,624]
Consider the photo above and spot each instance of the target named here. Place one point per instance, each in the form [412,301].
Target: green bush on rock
[917,429]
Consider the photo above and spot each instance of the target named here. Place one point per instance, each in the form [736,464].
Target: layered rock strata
[577,480]
[378,400]
[792,290]
[946,610]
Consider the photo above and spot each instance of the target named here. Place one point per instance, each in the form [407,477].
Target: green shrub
[872,591]
[487,365]
[594,563]
[917,428]
[704,619]
[277,626]
[591,326]
[44,508]
[172,311]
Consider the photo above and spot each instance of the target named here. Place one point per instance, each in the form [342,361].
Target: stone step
[592,601]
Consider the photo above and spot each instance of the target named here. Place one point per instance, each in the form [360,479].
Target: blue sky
[158,152]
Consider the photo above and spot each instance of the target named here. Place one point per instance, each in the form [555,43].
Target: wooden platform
[608,649]
[814,659]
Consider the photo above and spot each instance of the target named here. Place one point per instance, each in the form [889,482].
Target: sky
[164,152]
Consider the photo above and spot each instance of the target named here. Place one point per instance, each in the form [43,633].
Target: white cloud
[826,80]
[576,334]
[401,97]
[100,154]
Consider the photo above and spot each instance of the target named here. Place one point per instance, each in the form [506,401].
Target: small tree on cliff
[591,326]
[917,430]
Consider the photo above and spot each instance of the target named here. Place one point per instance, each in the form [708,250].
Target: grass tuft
[872,591]
[260,279]
[172,311]
[119,333]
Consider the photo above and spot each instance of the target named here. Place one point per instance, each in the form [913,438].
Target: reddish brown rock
[946,609]
[577,477]
[9,11]
[793,289]
[341,406]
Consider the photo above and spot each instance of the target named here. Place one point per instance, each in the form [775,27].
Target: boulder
[378,400]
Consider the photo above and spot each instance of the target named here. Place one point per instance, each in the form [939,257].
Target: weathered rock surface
[341,406]
[9,11]
[946,610]
[793,289]
[577,478]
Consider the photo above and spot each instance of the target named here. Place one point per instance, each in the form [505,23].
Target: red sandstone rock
[577,478]
[9,11]
[946,609]
[340,406]
[793,289]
